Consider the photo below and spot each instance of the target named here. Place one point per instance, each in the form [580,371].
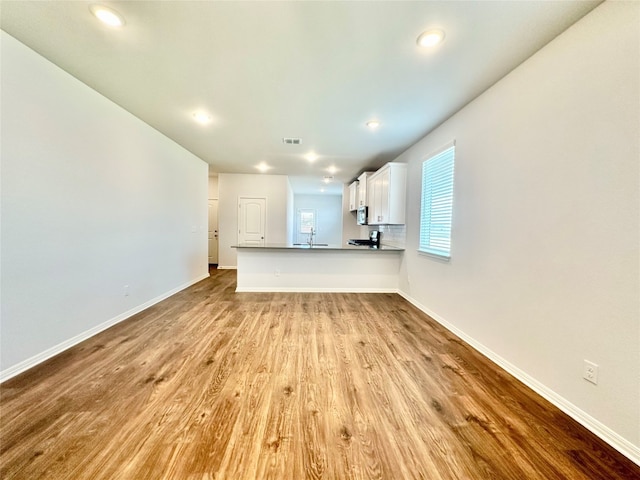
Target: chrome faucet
[310,239]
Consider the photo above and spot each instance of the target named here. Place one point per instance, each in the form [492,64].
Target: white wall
[328,209]
[545,251]
[213,187]
[231,186]
[92,199]
[290,214]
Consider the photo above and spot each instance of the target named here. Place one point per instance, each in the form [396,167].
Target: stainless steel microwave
[363,212]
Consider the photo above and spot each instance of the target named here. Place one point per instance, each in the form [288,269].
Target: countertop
[290,246]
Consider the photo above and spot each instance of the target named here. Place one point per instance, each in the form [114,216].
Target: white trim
[621,444]
[438,151]
[61,347]
[314,290]
[444,258]
[228,267]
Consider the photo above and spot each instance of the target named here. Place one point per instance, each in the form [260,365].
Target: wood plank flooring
[210,384]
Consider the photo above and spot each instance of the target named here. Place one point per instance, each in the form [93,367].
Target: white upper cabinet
[353,196]
[363,194]
[387,195]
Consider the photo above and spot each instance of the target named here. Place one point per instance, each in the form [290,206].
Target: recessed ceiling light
[430,38]
[107,15]
[263,167]
[322,190]
[311,157]
[332,169]
[202,117]
[327,179]
[373,124]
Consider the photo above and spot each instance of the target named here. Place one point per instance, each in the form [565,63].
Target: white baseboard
[314,290]
[230,267]
[621,444]
[61,347]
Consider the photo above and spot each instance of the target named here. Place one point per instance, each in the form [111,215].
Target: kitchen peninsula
[304,268]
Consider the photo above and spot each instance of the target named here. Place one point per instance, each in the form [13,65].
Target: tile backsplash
[394,235]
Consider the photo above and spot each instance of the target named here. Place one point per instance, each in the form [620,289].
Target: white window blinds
[437,203]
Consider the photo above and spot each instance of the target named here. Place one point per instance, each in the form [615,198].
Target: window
[437,203]
[307,221]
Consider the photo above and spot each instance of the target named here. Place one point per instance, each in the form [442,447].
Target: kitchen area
[364,260]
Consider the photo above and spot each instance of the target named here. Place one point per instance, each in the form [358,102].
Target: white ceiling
[314,70]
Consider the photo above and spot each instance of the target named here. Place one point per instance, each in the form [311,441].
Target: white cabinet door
[374,191]
[396,194]
[363,189]
[383,207]
[353,196]
[379,198]
[387,195]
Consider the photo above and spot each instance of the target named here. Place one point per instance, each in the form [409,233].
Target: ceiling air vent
[292,141]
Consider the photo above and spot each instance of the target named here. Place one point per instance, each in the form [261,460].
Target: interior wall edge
[41,357]
[621,444]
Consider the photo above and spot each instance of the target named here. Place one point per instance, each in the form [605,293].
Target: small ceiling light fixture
[107,15]
[373,124]
[430,38]
[202,117]
[263,167]
[311,157]
[332,169]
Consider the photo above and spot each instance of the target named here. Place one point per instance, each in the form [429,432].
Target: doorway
[213,232]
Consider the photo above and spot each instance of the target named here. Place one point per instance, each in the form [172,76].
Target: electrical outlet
[590,372]
[277,272]
[126,290]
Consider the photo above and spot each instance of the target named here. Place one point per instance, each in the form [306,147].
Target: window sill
[442,258]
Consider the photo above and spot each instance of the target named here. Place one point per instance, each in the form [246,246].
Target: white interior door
[213,232]
[252,216]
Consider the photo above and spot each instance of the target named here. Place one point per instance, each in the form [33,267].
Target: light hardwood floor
[213,384]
